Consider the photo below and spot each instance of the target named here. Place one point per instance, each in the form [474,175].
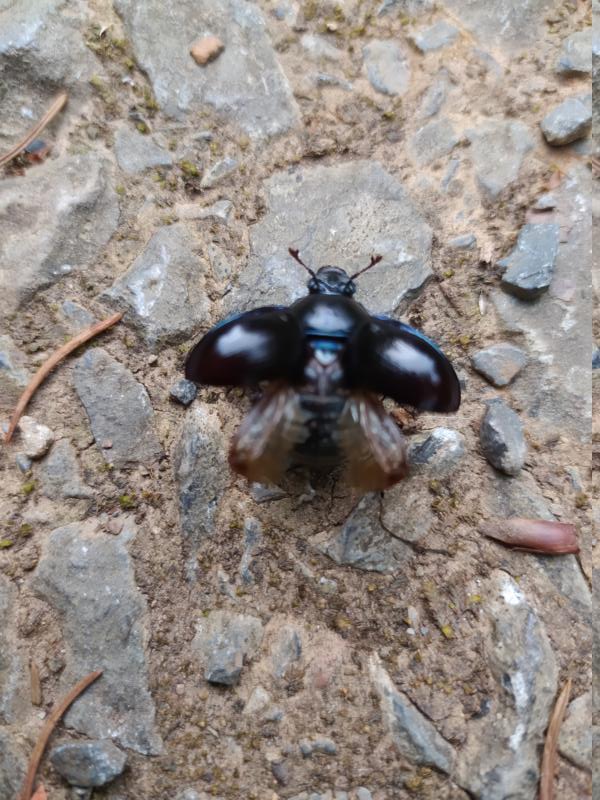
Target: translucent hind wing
[262,447]
[373,446]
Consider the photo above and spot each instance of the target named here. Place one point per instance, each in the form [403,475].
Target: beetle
[324,361]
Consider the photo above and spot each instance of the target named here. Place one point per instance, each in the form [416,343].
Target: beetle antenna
[374,260]
[294,254]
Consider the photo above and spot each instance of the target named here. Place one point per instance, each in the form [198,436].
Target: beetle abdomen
[320,446]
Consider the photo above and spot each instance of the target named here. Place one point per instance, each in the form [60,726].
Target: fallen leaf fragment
[533,535]
[549,756]
[206,49]
[46,732]
[40,793]
[49,365]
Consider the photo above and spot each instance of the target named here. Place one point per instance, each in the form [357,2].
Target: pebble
[184,392]
[387,67]
[500,364]
[88,763]
[206,49]
[60,476]
[576,54]
[322,744]
[223,641]
[439,35]
[530,265]
[545,202]
[412,733]
[575,739]
[498,147]
[137,152]
[363,794]
[502,438]
[596,359]
[218,172]
[23,462]
[465,242]
[35,438]
[281,772]
[286,651]
[217,212]
[439,451]
[252,540]
[435,95]
[78,318]
[118,407]
[318,48]
[569,121]
[432,141]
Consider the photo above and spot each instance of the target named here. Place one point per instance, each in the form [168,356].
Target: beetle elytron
[325,360]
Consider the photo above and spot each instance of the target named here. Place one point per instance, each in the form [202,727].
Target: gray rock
[88,763]
[435,96]
[261,493]
[363,794]
[136,152]
[59,474]
[576,54]
[412,733]
[497,149]
[406,510]
[502,438]
[184,392]
[437,452]
[321,744]
[34,438]
[364,543]
[596,359]
[387,67]
[318,48]
[23,462]
[500,364]
[13,764]
[245,83]
[76,317]
[432,141]
[501,756]
[569,121]
[217,212]
[118,408]
[546,202]
[465,242]
[252,540]
[286,651]
[325,79]
[87,577]
[530,265]
[14,375]
[309,209]
[201,472]
[163,289]
[222,641]
[575,739]
[12,681]
[218,172]
[61,196]
[508,25]
[439,35]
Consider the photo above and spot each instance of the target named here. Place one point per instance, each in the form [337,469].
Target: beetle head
[331,280]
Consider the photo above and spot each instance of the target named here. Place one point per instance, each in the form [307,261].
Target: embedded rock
[498,148]
[387,67]
[223,640]
[500,364]
[569,121]
[88,763]
[530,266]
[502,438]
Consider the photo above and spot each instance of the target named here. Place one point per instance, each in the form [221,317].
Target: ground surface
[377,647]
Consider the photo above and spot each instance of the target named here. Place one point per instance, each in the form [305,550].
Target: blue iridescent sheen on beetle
[324,361]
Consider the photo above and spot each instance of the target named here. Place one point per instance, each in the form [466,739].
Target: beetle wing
[373,446]
[262,344]
[390,358]
[261,448]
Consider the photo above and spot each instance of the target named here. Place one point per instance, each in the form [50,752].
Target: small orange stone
[206,49]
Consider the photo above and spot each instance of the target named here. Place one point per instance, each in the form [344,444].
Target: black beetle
[325,359]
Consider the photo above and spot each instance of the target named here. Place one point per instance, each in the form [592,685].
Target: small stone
[258,701]
[432,141]
[318,48]
[498,148]
[136,152]
[530,266]
[184,392]
[439,35]
[35,438]
[206,49]
[223,640]
[88,763]
[502,438]
[325,79]
[189,794]
[465,242]
[23,462]
[262,493]
[218,172]
[323,744]
[596,359]
[434,97]
[575,739]
[439,452]
[500,364]
[569,121]
[413,734]
[14,375]
[576,54]
[387,67]
[77,317]
[217,212]
[286,651]
[545,202]
[363,794]
[60,476]
[252,538]
[281,772]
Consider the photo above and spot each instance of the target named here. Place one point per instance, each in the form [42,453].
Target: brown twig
[549,756]
[56,106]
[49,365]
[46,732]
